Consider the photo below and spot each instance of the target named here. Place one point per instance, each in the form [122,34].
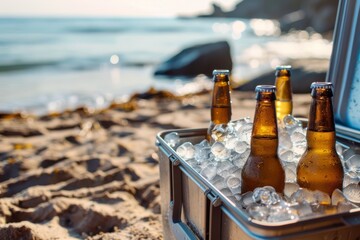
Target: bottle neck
[283,88]
[265,124]
[321,126]
[221,103]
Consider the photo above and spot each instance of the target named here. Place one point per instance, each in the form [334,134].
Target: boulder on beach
[198,59]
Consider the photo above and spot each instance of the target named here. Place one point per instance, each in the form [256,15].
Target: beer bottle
[320,168]
[221,103]
[263,166]
[283,101]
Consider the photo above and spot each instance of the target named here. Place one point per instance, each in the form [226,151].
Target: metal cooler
[192,208]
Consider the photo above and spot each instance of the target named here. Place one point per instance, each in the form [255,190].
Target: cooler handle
[180,229]
[215,210]
[215,218]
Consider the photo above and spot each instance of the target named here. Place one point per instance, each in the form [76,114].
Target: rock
[294,20]
[319,15]
[265,9]
[199,59]
[258,9]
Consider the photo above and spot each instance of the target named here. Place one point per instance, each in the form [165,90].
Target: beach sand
[81,175]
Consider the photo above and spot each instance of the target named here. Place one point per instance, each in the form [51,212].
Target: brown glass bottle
[263,166]
[283,101]
[221,102]
[320,167]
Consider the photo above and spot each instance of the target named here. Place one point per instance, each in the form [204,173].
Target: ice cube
[246,199]
[219,182]
[303,194]
[321,197]
[209,172]
[285,140]
[225,168]
[231,142]
[281,213]
[350,177]
[289,175]
[226,173]
[339,150]
[237,124]
[234,184]
[337,196]
[244,133]
[221,153]
[236,171]
[298,138]
[290,188]
[193,163]
[352,192]
[298,150]
[241,146]
[291,122]
[353,163]
[290,165]
[186,150]
[258,212]
[172,139]
[219,132]
[240,159]
[203,144]
[234,155]
[304,209]
[287,156]
[347,153]
[203,154]
[266,195]
[225,165]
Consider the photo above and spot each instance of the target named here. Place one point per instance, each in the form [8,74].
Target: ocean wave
[153,29]
[13,41]
[25,66]
[97,30]
[42,105]
[72,64]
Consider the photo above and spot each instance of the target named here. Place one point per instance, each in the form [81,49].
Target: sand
[94,175]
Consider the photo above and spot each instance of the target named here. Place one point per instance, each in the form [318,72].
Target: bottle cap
[265,88]
[221,72]
[283,70]
[322,85]
[284,67]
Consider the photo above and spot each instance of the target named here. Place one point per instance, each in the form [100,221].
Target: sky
[107,8]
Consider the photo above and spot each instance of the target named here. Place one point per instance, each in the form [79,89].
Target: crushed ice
[221,164]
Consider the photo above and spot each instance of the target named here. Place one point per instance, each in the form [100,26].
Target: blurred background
[57,55]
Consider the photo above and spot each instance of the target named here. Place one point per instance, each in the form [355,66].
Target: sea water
[52,64]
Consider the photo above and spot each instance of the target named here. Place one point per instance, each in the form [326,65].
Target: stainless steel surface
[344,65]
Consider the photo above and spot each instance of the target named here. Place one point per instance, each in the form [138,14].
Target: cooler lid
[344,70]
